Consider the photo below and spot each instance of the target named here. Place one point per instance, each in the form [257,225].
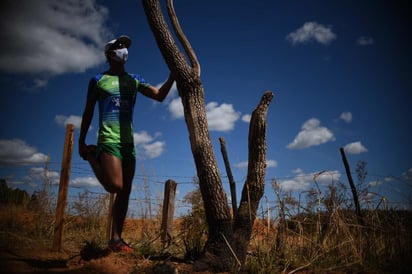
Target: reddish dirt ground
[41,260]
[20,254]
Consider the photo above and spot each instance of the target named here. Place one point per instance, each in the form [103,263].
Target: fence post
[229,175]
[63,188]
[168,211]
[352,186]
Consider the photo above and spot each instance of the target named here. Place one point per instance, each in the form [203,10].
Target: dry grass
[382,245]
[332,242]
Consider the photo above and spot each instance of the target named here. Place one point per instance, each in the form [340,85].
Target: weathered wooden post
[352,186]
[63,188]
[168,212]
[229,175]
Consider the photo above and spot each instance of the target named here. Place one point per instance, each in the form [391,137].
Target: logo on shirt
[121,103]
[116,101]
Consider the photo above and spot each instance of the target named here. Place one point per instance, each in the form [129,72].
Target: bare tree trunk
[255,183]
[192,95]
[220,244]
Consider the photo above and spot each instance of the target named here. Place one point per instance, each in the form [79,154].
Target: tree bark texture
[221,240]
[192,94]
[254,187]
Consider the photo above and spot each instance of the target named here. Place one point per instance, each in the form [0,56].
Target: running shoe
[120,246]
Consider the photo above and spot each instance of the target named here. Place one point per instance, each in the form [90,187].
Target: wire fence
[147,193]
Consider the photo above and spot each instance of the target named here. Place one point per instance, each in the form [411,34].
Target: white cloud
[295,184]
[271,163]
[346,116]
[50,37]
[40,83]
[297,171]
[389,179]
[246,118]
[63,120]
[17,152]
[407,175]
[312,31]
[304,181]
[355,148]
[154,149]
[221,118]
[244,165]
[147,147]
[36,176]
[300,182]
[43,175]
[365,41]
[375,183]
[142,137]
[17,183]
[312,134]
[85,182]
[327,177]
[176,108]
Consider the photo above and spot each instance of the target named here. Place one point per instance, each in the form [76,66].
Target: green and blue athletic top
[116,95]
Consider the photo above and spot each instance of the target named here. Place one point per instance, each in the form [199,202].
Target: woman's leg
[121,203]
[108,170]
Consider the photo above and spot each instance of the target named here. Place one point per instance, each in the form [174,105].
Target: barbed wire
[81,168]
[152,206]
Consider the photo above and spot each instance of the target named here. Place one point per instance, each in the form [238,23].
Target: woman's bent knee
[112,187]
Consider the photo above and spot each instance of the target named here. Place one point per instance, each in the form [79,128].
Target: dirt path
[14,260]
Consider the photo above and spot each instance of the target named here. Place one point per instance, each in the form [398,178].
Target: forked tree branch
[182,38]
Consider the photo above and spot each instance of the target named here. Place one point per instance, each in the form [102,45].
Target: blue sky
[340,72]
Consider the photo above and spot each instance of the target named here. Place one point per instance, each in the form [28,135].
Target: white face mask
[120,55]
